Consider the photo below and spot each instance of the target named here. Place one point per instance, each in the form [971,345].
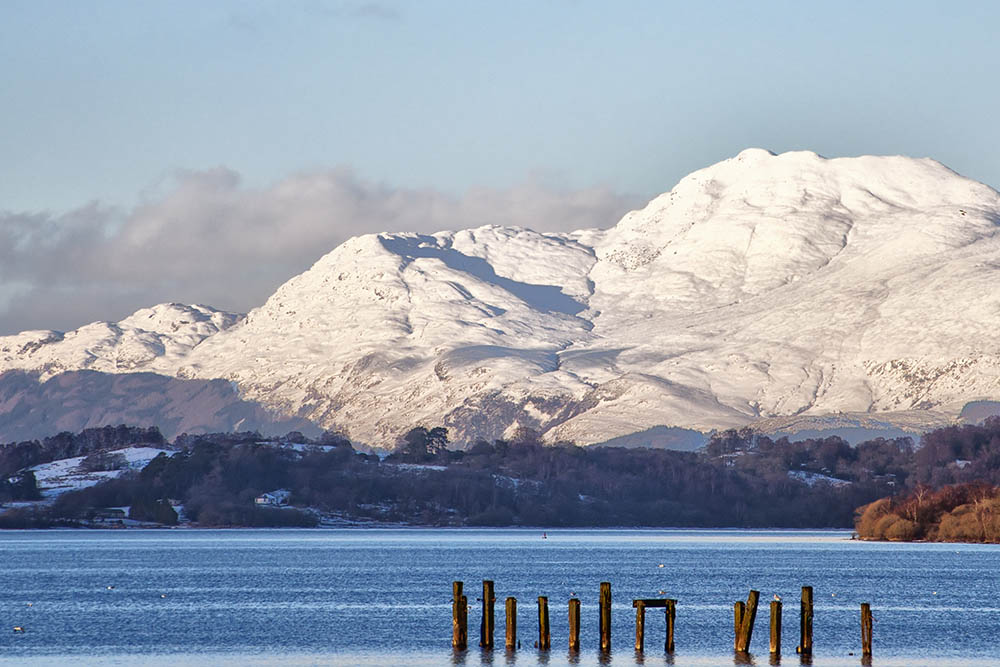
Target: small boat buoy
[544,536]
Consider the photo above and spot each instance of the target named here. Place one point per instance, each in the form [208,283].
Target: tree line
[740,479]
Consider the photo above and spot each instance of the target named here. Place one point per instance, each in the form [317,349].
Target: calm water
[383,596]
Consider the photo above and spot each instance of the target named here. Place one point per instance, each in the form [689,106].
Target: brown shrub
[868,515]
[902,531]
[960,525]
[882,526]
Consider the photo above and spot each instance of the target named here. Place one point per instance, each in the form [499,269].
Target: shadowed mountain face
[543,298]
[765,287]
[75,400]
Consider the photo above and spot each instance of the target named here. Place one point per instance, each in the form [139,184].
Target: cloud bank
[209,239]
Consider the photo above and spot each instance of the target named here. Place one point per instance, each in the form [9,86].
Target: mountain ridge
[765,286]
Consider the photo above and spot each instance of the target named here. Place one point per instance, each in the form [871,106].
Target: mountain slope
[763,286]
[152,339]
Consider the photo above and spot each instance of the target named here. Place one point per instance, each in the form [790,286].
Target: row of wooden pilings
[744,616]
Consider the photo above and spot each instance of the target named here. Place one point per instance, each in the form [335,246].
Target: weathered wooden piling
[510,642]
[574,624]
[486,625]
[746,626]
[605,610]
[866,629]
[744,617]
[739,609]
[640,624]
[544,638]
[671,618]
[806,622]
[775,627]
[459,617]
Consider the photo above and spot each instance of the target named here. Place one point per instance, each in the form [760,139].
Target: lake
[383,596]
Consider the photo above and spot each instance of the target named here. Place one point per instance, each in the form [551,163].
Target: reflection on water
[417,659]
[373,597]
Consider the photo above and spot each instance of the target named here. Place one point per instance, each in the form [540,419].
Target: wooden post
[574,624]
[605,616]
[486,626]
[671,617]
[640,625]
[459,617]
[749,616]
[775,627]
[739,609]
[866,629]
[544,640]
[511,638]
[806,622]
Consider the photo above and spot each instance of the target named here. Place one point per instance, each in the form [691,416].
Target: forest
[740,479]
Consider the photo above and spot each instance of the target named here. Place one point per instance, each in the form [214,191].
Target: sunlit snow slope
[760,287]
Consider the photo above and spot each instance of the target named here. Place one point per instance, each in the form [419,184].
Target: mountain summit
[762,286]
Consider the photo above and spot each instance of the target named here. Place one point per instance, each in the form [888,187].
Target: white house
[273,498]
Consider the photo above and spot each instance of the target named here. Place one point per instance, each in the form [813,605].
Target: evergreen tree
[25,487]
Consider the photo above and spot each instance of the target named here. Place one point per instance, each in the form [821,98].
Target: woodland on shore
[957,513]
[740,479]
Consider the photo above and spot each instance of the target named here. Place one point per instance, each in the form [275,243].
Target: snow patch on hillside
[65,475]
[814,478]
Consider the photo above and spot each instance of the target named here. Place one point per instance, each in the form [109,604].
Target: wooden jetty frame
[670,609]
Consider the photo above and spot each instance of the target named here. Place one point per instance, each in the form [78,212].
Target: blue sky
[112,109]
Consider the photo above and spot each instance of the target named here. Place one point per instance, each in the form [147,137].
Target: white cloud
[207,239]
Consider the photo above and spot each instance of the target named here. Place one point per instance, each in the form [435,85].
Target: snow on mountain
[152,339]
[763,287]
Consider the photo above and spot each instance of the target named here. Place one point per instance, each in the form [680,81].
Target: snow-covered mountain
[153,339]
[762,287]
